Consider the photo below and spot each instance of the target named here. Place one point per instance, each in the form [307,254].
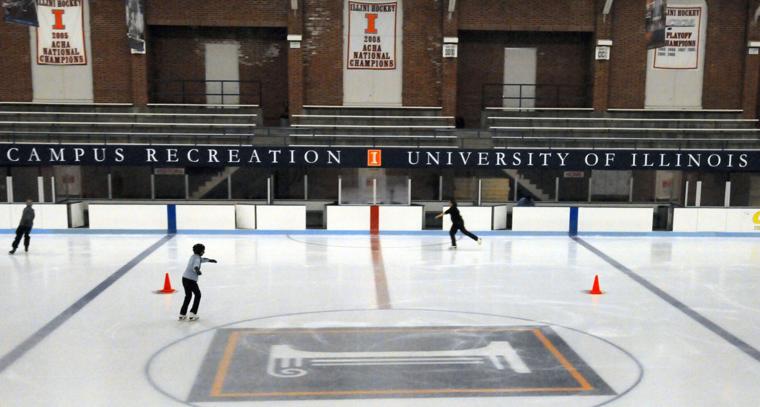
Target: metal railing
[450,138]
[201,91]
[527,95]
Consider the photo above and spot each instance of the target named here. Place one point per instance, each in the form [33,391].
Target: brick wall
[724,61]
[726,46]
[422,63]
[521,15]
[629,55]
[485,28]
[228,13]
[176,53]
[179,53]
[16,60]
[562,58]
[111,66]
[323,52]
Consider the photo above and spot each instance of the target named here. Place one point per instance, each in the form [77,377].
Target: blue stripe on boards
[171,218]
[573,227]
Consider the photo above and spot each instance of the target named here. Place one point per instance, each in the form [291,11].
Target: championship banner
[655,23]
[60,35]
[355,157]
[681,50]
[371,35]
[136,25]
[20,12]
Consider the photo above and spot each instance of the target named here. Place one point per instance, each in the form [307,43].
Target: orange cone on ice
[595,290]
[167,286]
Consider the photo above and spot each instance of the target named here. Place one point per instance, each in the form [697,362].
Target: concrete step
[614,113]
[372,111]
[516,121]
[359,120]
[373,142]
[674,114]
[374,130]
[95,128]
[612,132]
[78,117]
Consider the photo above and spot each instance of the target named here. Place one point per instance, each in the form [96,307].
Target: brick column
[140,79]
[16,62]
[140,72]
[751,85]
[601,70]
[295,62]
[449,69]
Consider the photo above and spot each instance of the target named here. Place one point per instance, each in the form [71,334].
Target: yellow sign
[756,220]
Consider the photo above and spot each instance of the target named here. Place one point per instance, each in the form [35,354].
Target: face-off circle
[399,353]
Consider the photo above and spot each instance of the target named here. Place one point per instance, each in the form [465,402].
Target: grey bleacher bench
[369,126]
[618,129]
[143,124]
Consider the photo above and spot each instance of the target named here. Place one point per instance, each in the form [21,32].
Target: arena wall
[563,31]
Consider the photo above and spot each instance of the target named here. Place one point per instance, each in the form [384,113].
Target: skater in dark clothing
[190,282]
[24,227]
[457,223]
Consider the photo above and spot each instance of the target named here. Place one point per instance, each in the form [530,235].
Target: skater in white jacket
[190,282]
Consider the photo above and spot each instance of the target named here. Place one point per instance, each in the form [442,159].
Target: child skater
[457,223]
[190,282]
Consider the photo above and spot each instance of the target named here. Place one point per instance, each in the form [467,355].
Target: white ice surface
[99,357]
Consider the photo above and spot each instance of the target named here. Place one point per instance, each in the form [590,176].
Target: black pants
[22,231]
[191,288]
[453,232]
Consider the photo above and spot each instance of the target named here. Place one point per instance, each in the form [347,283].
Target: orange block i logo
[374,158]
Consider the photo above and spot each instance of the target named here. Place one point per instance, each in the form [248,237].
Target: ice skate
[192,317]
[182,317]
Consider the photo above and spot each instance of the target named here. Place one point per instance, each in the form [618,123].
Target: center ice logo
[287,362]
[379,362]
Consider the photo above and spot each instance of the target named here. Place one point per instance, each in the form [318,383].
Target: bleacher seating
[352,125]
[123,122]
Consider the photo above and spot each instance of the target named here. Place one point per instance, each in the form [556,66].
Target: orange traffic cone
[595,289]
[167,286]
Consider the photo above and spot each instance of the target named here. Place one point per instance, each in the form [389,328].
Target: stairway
[212,183]
[534,189]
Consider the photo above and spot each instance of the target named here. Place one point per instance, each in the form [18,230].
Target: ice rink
[395,320]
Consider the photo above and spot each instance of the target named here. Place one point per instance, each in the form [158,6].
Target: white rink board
[76,214]
[475,217]
[245,216]
[346,217]
[540,219]
[716,220]
[400,218]
[615,219]
[46,216]
[141,217]
[500,217]
[281,217]
[206,217]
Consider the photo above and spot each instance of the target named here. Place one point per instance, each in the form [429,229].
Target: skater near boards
[24,228]
[457,223]
[190,282]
